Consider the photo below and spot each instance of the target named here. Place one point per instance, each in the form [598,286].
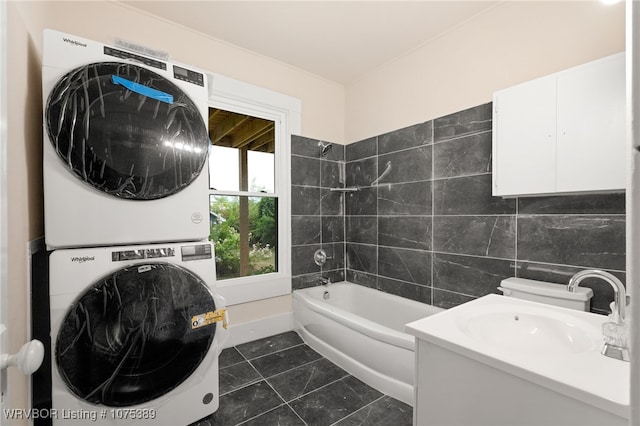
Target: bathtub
[362,330]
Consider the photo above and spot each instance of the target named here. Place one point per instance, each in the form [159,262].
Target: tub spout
[325,281]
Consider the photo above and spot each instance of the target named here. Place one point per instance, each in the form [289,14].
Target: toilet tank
[549,293]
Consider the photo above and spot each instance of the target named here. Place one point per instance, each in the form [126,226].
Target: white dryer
[125,146]
[136,332]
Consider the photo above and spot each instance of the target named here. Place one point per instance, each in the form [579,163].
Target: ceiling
[338,40]
[233,130]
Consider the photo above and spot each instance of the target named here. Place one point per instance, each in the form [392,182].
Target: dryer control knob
[28,359]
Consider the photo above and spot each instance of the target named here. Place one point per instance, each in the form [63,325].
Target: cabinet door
[524,136]
[591,126]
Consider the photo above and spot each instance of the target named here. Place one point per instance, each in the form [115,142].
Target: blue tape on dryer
[143,90]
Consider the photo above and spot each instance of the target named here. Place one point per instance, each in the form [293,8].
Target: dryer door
[126,130]
[129,338]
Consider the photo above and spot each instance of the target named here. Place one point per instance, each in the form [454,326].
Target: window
[249,163]
[244,231]
[243,204]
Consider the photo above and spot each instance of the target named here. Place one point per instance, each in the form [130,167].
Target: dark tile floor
[281,381]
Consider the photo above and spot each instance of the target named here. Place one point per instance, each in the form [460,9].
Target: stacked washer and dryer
[136,323]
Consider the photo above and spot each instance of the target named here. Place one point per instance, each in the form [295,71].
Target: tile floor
[279,380]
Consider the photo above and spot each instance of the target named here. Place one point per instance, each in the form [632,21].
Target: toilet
[549,293]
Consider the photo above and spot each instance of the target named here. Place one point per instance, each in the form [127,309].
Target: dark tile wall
[430,229]
[317,213]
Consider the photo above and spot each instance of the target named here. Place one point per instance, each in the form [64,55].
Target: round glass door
[129,337]
[126,130]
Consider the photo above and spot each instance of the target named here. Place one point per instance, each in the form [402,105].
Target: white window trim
[243,98]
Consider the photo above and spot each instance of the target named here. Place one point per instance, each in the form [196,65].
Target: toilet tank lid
[543,288]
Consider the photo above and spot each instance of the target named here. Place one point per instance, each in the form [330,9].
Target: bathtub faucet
[325,281]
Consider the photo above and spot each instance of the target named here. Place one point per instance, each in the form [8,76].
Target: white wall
[513,42]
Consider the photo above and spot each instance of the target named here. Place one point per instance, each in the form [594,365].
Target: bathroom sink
[552,347]
[531,330]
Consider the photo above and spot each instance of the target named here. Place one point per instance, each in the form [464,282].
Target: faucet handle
[612,307]
[616,340]
[320,257]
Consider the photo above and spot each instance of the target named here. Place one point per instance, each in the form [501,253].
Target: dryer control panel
[189,76]
[189,252]
[197,252]
[152,253]
[116,53]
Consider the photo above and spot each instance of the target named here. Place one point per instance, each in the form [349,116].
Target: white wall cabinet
[563,133]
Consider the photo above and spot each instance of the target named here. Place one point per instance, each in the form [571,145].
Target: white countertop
[587,376]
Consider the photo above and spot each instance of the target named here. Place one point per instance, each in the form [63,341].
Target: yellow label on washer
[208,318]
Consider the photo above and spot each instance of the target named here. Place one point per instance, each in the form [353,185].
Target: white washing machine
[136,332]
[125,146]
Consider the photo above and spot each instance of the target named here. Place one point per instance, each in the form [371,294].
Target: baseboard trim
[254,330]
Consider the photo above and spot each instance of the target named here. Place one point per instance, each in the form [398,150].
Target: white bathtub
[362,331]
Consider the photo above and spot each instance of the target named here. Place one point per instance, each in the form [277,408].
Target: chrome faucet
[619,295]
[614,333]
[325,281]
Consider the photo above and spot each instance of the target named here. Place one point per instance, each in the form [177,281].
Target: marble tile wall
[317,213]
[431,231]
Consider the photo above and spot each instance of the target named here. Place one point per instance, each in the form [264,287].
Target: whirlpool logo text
[74,42]
[83,259]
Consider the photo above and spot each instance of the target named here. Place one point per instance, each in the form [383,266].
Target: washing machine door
[126,131]
[129,338]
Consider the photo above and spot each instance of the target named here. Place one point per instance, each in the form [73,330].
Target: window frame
[285,111]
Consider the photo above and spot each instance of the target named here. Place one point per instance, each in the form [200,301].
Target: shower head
[325,148]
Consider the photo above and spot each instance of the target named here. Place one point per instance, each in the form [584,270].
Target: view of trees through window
[262,235]
[243,204]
